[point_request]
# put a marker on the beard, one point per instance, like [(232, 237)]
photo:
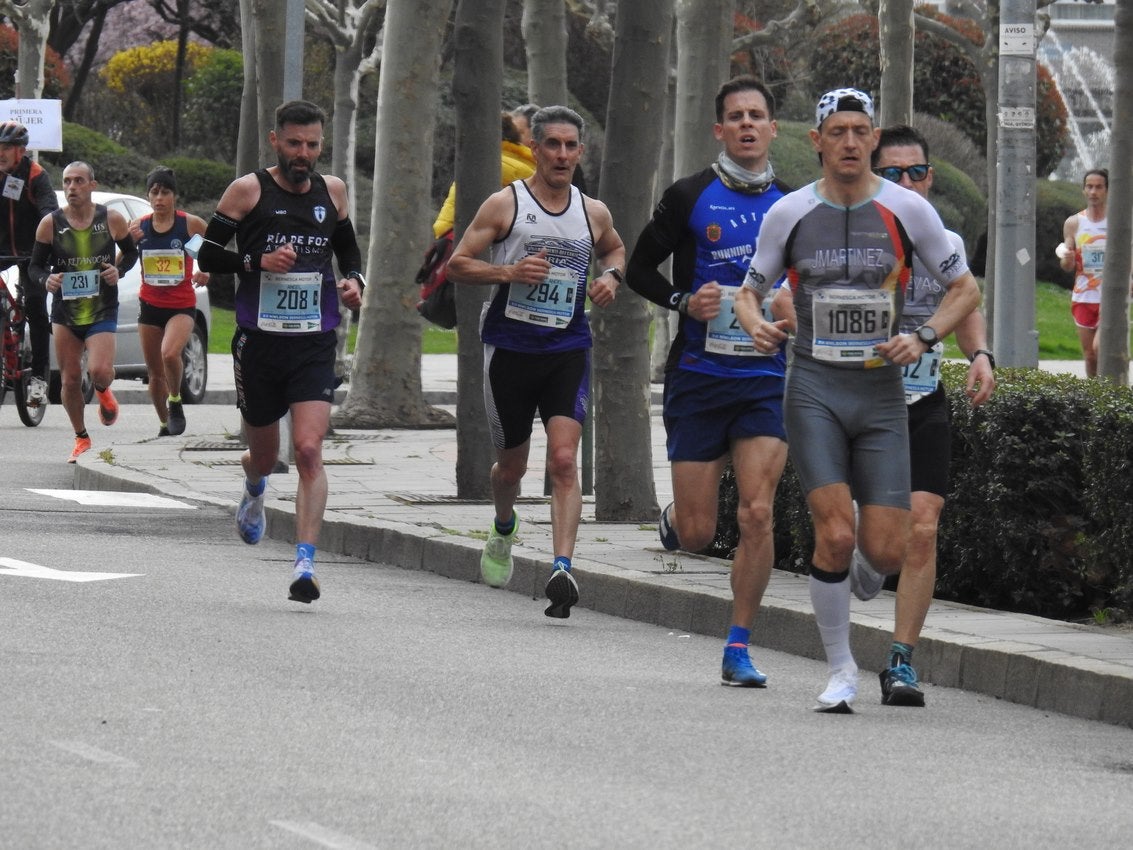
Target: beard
[(295, 171)]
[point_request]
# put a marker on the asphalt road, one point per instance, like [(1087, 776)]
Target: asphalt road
[(189, 704)]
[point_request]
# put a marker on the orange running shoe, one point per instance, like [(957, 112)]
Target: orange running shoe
[(82, 444), (107, 406)]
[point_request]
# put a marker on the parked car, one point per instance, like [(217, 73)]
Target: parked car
[(128, 360)]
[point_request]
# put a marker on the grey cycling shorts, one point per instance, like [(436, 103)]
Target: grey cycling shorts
[(849, 426)]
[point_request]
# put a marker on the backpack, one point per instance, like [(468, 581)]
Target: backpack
[(437, 297)]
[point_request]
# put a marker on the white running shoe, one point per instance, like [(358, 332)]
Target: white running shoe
[(840, 693), (865, 581)]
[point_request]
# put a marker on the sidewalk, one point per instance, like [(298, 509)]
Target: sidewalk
[(392, 499)]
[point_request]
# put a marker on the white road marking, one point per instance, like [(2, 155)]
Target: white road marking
[(321, 835), (91, 753), (23, 569), (116, 499)]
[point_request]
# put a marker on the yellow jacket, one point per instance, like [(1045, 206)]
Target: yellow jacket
[(516, 163)]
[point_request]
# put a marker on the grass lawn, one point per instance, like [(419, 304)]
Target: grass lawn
[(1057, 338)]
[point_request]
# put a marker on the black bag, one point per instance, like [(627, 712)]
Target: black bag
[(437, 298)]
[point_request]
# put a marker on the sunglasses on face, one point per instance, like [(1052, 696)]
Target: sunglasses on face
[(916, 173)]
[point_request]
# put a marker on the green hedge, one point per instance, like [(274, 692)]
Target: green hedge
[(1038, 515), (116, 168), (200, 179)]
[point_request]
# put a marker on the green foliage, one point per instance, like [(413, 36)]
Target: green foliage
[(144, 80), (55, 77), (959, 201), (212, 104), (1056, 201), (946, 83), (199, 179), (1037, 515), (793, 156), (1037, 496), (115, 168)]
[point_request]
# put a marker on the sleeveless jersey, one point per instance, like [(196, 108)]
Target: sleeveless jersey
[(167, 270), (549, 316), (77, 251), (305, 300), (849, 268), (1089, 261)]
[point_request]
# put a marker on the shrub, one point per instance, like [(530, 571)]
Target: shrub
[(945, 81), (1056, 201), (55, 78), (199, 180), (1037, 516), (115, 167), (212, 105)]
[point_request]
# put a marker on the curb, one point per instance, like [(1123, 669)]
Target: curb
[(1012, 670)]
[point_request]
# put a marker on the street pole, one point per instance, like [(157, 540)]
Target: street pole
[(1013, 322), (293, 51)]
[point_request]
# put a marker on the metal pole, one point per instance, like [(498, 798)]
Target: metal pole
[(293, 51), (1013, 322)]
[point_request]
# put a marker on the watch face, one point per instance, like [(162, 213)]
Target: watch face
[(927, 335)]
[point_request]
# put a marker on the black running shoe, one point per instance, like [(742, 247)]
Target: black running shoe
[(562, 590), (899, 686), (176, 424)]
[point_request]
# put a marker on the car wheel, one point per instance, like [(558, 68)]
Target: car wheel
[(196, 362)]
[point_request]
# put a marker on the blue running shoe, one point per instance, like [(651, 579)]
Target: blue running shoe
[(250, 520), (899, 686), (562, 591), (666, 531), (738, 670), (304, 586)]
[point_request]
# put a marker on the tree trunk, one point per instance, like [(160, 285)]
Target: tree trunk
[(623, 464), (1113, 353), (664, 319), (271, 36), (385, 384), (895, 19), (33, 19), (248, 138), (347, 82), (545, 35), (704, 38), (179, 71), (477, 89), (82, 72)]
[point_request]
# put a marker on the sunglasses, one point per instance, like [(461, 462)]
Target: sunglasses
[(916, 173)]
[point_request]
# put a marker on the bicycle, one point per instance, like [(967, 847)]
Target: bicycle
[(17, 371)]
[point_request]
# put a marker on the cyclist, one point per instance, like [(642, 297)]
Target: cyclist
[(25, 198)]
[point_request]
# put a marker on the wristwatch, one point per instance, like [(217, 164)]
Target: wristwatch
[(984, 351), (358, 277), (616, 272), (927, 335)]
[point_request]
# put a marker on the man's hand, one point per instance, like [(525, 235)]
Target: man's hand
[(603, 289), (279, 261), (902, 349), (981, 381), (109, 274), (350, 291), (704, 305), (531, 270)]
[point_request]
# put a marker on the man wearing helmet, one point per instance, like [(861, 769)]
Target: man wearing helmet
[(26, 196)]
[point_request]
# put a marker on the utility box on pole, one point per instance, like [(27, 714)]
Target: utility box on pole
[(1013, 322)]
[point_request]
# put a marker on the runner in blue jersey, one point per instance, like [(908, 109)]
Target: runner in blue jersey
[(846, 243), (723, 399), (540, 234)]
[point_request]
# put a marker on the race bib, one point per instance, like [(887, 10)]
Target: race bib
[(922, 377), (13, 187), (549, 304), (849, 324), (79, 285), (291, 302), (163, 268), (1093, 257), (723, 335)]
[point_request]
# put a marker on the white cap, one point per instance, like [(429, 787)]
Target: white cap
[(839, 100)]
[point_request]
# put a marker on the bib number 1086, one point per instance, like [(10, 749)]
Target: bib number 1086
[(856, 321)]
